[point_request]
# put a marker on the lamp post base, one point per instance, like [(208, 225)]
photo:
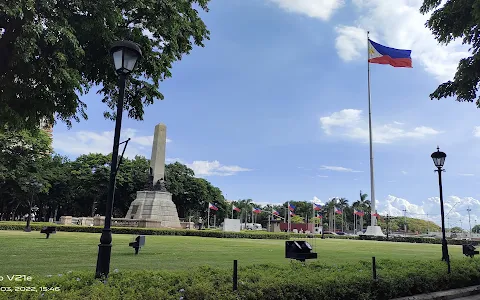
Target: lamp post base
[(103, 260)]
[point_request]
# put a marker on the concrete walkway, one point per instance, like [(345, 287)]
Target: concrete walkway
[(468, 293)]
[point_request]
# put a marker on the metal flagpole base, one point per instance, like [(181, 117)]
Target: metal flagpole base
[(374, 231)]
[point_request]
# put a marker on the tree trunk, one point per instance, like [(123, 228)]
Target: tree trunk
[(29, 216)]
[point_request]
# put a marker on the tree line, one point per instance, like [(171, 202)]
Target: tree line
[(32, 176)]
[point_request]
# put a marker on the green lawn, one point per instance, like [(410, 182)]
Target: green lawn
[(31, 253)]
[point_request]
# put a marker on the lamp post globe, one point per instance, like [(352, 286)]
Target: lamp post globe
[(439, 160), (125, 57)]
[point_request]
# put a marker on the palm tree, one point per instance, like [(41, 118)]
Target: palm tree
[(328, 207), (246, 206), (362, 204), (343, 203)]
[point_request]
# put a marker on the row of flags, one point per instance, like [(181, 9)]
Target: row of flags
[(291, 208)]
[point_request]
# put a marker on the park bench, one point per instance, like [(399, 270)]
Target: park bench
[(138, 243), (469, 250), (49, 230), (299, 250)]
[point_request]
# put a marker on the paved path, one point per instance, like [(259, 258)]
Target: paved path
[(474, 297), (468, 293)]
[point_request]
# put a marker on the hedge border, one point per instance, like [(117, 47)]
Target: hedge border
[(222, 234)]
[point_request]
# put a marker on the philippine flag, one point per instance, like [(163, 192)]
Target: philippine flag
[(317, 206), (338, 211), (256, 210), (291, 207), (292, 214), (275, 212), (359, 213), (211, 206), (379, 54), (236, 208), (319, 216)]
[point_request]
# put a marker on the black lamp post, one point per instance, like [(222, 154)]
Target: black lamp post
[(34, 187), (125, 55), (439, 159)]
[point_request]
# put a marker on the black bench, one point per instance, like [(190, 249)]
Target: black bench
[(299, 250), (138, 243), (469, 250), (49, 230)]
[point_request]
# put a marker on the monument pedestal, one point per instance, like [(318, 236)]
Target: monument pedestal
[(374, 230), (154, 206)]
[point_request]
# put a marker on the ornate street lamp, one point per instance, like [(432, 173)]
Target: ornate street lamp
[(34, 188), (439, 159), (125, 56)]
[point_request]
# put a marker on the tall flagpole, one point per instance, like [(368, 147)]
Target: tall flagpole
[(372, 183), (288, 216), (208, 216)]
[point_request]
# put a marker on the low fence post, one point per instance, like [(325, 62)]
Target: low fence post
[(374, 268), (235, 275)]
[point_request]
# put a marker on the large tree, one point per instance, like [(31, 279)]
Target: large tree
[(449, 21), (24, 159), (51, 52)]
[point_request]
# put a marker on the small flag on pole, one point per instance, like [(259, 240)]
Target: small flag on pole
[(211, 206), (379, 54), (319, 216), (235, 208), (360, 213), (275, 212), (338, 211), (291, 207), (256, 210), (317, 206), (292, 214)]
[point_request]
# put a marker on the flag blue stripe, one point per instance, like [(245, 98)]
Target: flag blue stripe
[(392, 52)]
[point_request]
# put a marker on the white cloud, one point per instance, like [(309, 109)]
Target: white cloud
[(398, 26), (349, 42), (476, 131), (317, 200), (84, 142), (456, 213), (339, 169), (466, 174), (322, 176), (351, 124), (398, 123), (320, 9), (203, 168), (404, 172)]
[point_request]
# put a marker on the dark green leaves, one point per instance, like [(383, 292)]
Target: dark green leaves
[(457, 19), (53, 51)]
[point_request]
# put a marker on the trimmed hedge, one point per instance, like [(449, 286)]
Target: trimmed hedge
[(411, 240), (269, 282), (222, 234), (157, 231)]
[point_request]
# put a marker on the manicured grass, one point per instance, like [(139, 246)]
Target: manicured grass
[(31, 253)]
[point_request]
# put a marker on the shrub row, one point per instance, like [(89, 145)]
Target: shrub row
[(269, 282), (411, 240), (158, 231), (221, 234)]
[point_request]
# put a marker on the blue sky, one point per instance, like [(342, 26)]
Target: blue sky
[(274, 108)]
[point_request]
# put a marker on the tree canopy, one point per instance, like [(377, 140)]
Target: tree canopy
[(51, 52), (449, 21)]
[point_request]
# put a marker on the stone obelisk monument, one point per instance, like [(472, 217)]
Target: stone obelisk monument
[(155, 203)]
